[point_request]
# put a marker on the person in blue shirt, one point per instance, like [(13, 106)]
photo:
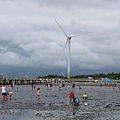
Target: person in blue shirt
[(75, 101)]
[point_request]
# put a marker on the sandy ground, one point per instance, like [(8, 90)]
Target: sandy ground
[(103, 104)]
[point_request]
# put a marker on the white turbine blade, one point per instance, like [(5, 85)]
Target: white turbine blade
[(80, 34), (63, 49), (61, 28)]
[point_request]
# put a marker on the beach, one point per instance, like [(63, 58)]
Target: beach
[(103, 103)]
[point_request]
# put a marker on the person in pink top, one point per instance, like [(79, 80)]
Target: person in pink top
[(38, 93)]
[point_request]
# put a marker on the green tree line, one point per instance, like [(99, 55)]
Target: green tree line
[(112, 75)]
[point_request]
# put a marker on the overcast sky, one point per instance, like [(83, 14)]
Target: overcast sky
[(31, 42)]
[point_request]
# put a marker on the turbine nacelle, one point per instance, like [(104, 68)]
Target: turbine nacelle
[(69, 38)]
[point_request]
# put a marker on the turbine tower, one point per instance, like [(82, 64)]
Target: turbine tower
[(69, 47)]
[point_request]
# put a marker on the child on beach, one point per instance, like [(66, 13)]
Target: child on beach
[(38, 93), (34, 85), (17, 86), (85, 97), (71, 96), (12, 87), (10, 95), (75, 101)]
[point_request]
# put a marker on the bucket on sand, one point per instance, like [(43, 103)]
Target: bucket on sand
[(85, 103)]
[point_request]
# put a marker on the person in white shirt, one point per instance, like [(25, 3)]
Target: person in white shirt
[(4, 92)]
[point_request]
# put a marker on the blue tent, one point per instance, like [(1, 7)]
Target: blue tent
[(108, 80)]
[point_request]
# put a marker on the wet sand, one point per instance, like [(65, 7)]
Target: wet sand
[(103, 104)]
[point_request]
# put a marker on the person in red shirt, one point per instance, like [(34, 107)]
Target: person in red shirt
[(71, 96)]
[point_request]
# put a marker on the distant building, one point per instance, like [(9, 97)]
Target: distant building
[(1, 77)]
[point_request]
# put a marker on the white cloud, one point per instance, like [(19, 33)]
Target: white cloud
[(31, 27)]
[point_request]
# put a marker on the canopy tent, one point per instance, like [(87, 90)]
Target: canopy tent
[(108, 80)]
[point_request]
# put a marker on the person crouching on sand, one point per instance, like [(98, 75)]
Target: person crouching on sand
[(85, 97), (10, 95), (75, 101)]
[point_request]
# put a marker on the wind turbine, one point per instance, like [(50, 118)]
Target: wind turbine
[(62, 74), (69, 46), (26, 76)]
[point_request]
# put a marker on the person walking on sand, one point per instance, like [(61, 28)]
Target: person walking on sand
[(32, 86), (38, 93), (4, 92), (71, 96), (12, 87)]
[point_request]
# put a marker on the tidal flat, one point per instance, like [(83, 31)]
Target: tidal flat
[(53, 104)]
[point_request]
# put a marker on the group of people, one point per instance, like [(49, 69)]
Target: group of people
[(5, 92), (49, 86), (75, 101), (33, 85), (61, 85)]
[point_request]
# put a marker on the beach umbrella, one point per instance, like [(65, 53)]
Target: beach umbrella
[(108, 80)]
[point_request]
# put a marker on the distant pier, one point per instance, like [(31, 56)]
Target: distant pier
[(27, 81)]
